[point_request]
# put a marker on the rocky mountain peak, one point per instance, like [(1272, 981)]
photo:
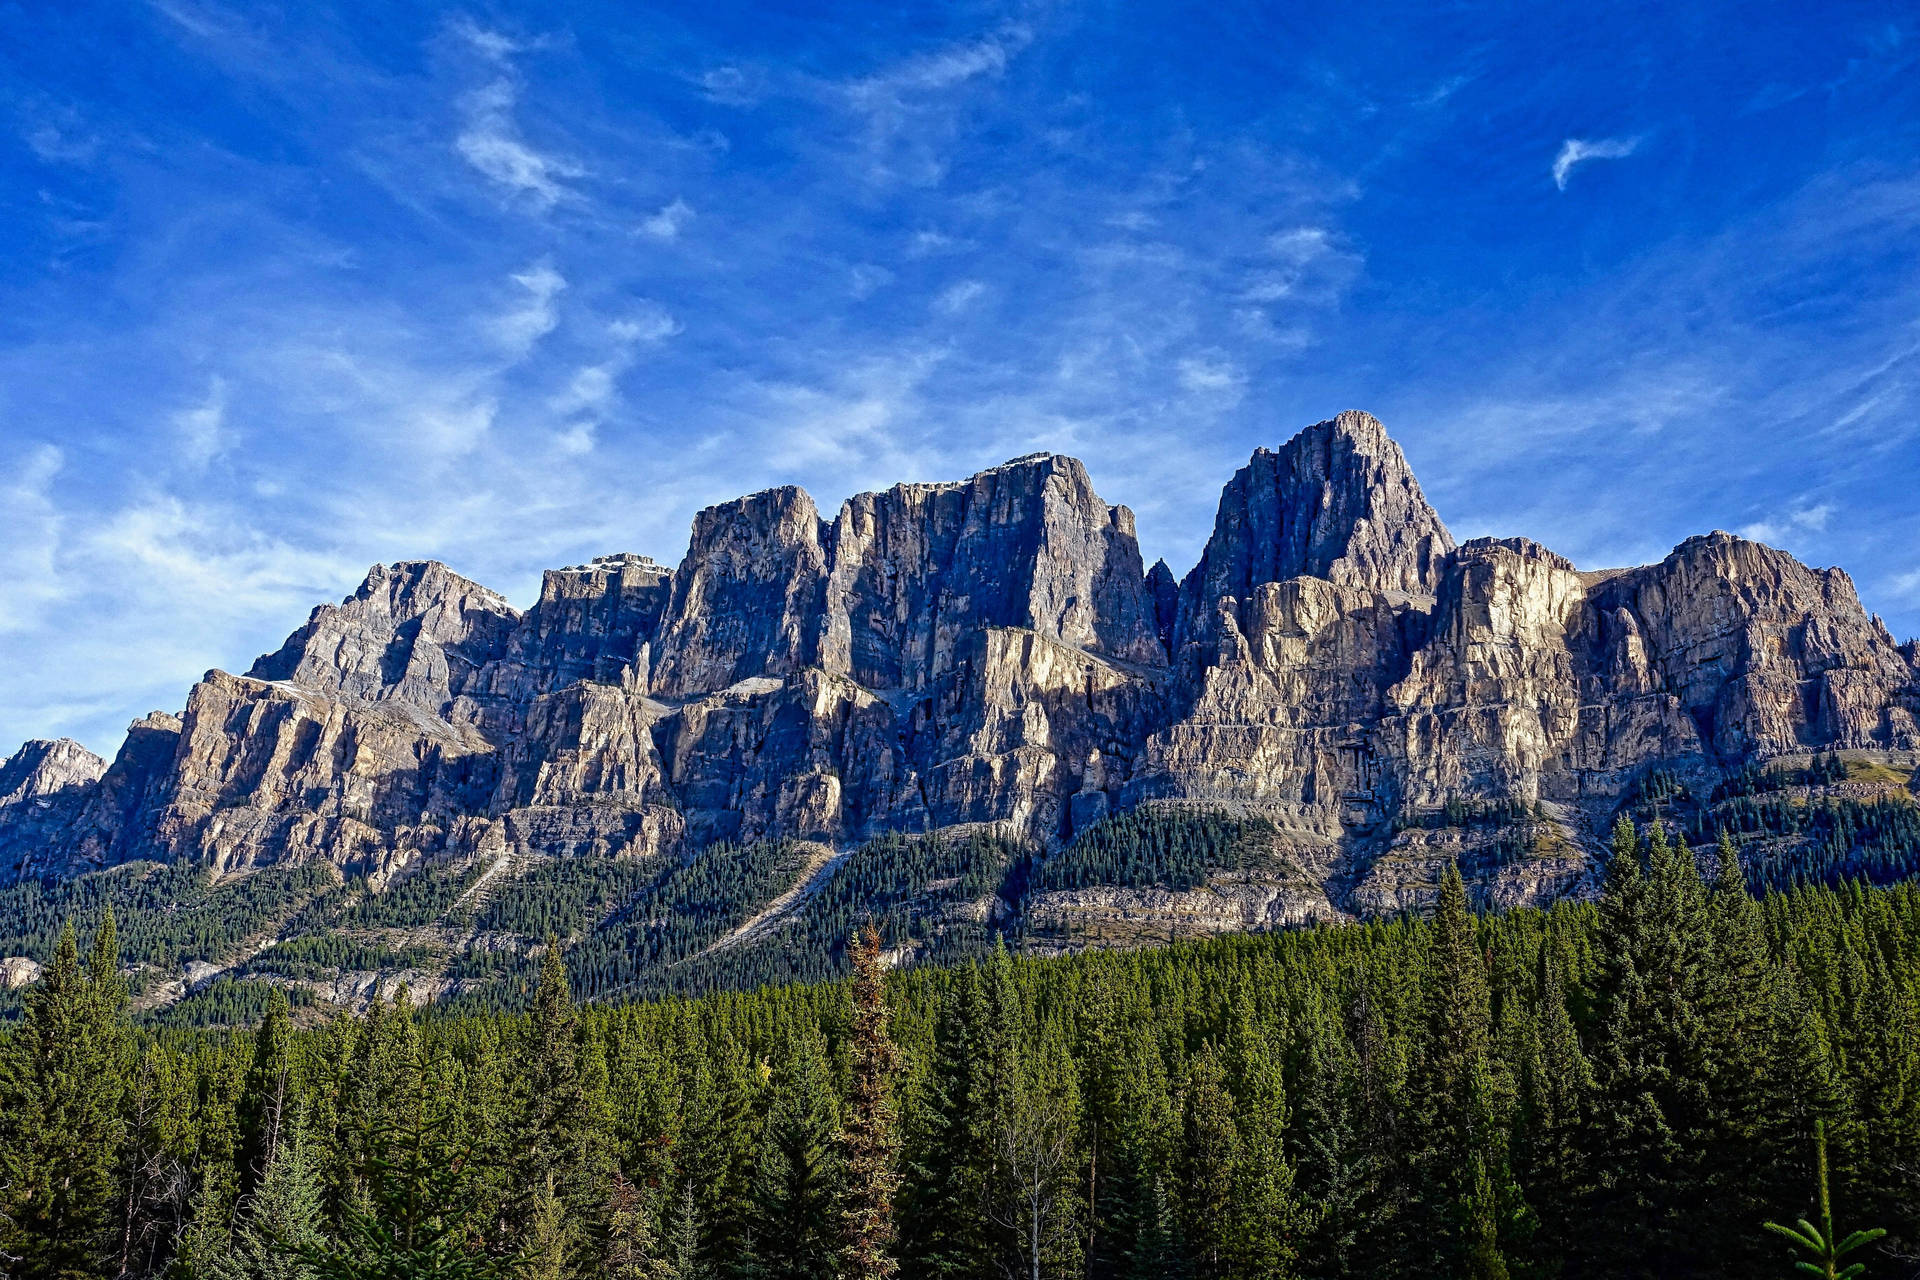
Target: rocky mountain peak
[(414, 631), (745, 599), (1337, 501), (46, 766)]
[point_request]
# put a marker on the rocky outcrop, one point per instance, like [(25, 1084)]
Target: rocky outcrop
[(18, 971), (594, 622), (1765, 654), (920, 569), (746, 601), (43, 788), (268, 771), (991, 652), (415, 632), (1337, 502)]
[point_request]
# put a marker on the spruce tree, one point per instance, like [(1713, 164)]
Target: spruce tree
[(551, 1102), (872, 1138), (1266, 1215), (1209, 1156), (1823, 1240), (61, 1127), (1653, 1120), (633, 1249), (279, 1229), (797, 1181), (940, 1205), (1465, 1152)]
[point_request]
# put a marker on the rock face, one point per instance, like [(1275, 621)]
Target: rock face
[(992, 652)]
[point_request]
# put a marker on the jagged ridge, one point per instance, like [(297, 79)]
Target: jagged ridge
[(991, 651)]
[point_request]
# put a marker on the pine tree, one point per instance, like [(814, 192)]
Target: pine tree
[(1209, 1155), (940, 1206), (1653, 1120), (1466, 1151), (266, 1094), (1556, 1097), (683, 1239), (1266, 1215), (872, 1135), (415, 1218), (797, 1181), (61, 1128), (551, 1098), (552, 1237), (279, 1228)]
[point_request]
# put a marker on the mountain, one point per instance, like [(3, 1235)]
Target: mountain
[(1333, 705)]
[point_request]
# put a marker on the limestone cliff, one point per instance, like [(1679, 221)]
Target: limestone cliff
[(992, 652)]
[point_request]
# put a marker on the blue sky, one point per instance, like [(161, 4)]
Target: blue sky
[(289, 289)]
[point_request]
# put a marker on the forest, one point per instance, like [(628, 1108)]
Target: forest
[(1627, 1086)]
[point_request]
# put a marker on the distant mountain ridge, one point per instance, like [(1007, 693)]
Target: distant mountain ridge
[(992, 655)]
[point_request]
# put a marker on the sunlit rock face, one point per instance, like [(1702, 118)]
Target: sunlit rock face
[(992, 651)]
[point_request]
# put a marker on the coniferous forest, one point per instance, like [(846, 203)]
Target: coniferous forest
[(1628, 1086)]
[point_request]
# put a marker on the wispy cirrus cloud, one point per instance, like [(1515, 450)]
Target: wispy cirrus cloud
[(536, 314), (490, 138), (204, 433), (1575, 152)]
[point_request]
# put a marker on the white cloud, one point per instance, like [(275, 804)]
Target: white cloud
[(538, 313), (1212, 375), (590, 390), (493, 45), (201, 562), (1577, 151), (929, 243), (944, 69), (452, 431), (648, 322), (733, 86), (911, 109), (490, 141), (957, 297), (1906, 586), (577, 440), (669, 221), (1300, 245), (203, 428), (1787, 524), (28, 552)]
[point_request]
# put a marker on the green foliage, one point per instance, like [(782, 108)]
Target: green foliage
[(278, 1230), (1459, 812), (229, 1002), (63, 1084), (316, 955), (566, 897), (1822, 840), (1824, 1242), (166, 914), (425, 895), (1156, 846)]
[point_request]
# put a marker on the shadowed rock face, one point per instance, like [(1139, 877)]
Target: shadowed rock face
[(991, 651)]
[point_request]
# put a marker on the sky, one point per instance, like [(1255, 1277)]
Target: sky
[(290, 289)]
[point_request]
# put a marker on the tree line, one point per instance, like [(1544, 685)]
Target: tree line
[(1623, 1087)]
